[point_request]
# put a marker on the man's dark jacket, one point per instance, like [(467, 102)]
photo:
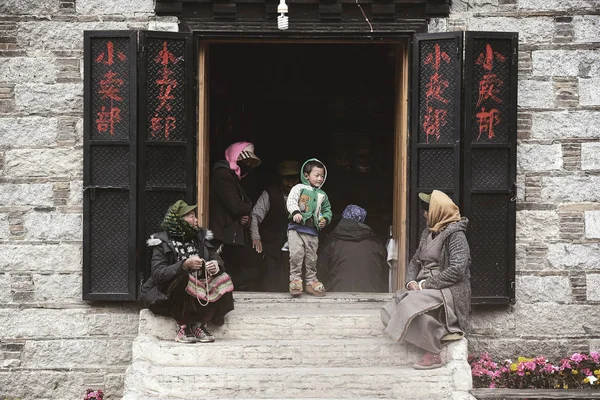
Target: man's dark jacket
[(353, 260)]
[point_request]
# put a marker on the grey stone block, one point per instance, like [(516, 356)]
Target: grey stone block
[(51, 98), (67, 384), (589, 95), (556, 5), (27, 163), (592, 224), (562, 189), (533, 157), (28, 131), (44, 36), (53, 226), (536, 94), (50, 258), (4, 227), (26, 194), (131, 7), (567, 256), (31, 70), (74, 353), (587, 28), (531, 30), (39, 323), (39, 7), (583, 63), (565, 124), (536, 289), (593, 287), (537, 225), (62, 288)]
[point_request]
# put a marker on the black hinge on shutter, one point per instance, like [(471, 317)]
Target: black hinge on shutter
[(436, 121), (167, 144), (490, 150), (109, 175)]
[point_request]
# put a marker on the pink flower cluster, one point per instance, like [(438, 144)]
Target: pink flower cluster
[(93, 394), (577, 371)]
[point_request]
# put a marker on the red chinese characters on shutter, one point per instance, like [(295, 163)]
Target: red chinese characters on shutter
[(435, 100), (109, 90), (163, 121), (490, 86)]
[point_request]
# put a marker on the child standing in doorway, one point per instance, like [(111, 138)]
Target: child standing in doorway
[(310, 212)]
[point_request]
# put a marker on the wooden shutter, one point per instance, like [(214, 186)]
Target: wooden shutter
[(436, 121), (167, 145), (490, 144), (109, 179)]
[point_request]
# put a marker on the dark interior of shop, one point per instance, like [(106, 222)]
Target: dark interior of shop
[(334, 102)]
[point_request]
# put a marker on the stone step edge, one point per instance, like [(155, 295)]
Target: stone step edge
[(331, 297), (425, 375), (380, 340), (317, 312)]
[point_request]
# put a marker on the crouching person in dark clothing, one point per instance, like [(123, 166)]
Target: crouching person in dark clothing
[(352, 259), (180, 253)]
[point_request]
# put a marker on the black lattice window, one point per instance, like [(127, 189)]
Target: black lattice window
[(109, 223), (109, 165), (488, 226), (490, 168), (436, 167), (490, 93), (489, 173), (166, 166), (438, 89), (110, 88), (165, 77)]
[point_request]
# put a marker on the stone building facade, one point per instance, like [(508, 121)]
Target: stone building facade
[(51, 341)]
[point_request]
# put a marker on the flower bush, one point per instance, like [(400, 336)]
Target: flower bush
[(93, 395), (575, 372)]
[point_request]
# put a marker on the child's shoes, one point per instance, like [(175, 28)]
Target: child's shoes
[(315, 288), (296, 287)]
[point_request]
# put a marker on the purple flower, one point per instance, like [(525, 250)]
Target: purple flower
[(578, 357)]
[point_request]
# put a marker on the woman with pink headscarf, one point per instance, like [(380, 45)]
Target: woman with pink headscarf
[(230, 209)]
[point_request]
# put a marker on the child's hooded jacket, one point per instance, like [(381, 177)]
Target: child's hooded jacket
[(311, 202)]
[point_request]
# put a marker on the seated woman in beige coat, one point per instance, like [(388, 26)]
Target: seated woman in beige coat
[(434, 308)]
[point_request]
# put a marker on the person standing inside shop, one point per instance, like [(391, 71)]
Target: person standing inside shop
[(310, 212), (268, 227), (230, 209)]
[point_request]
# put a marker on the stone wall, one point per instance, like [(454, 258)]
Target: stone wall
[(53, 345), (558, 208)]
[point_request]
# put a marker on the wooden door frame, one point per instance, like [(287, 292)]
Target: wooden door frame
[(401, 124)]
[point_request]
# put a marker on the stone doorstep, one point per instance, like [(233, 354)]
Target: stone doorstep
[(297, 382), (285, 353), (291, 324)]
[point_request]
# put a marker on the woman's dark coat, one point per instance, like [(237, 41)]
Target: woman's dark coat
[(165, 268), (455, 264), (353, 260), (228, 203)]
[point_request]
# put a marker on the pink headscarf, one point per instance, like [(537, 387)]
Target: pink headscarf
[(233, 152)]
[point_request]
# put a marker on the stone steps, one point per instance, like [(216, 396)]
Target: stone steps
[(293, 382), (314, 323), (276, 347), (275, 353)]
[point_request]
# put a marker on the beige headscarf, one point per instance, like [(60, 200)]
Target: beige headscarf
[(442, 211)]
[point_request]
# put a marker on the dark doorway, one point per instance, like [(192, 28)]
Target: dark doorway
[(334, 102)]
